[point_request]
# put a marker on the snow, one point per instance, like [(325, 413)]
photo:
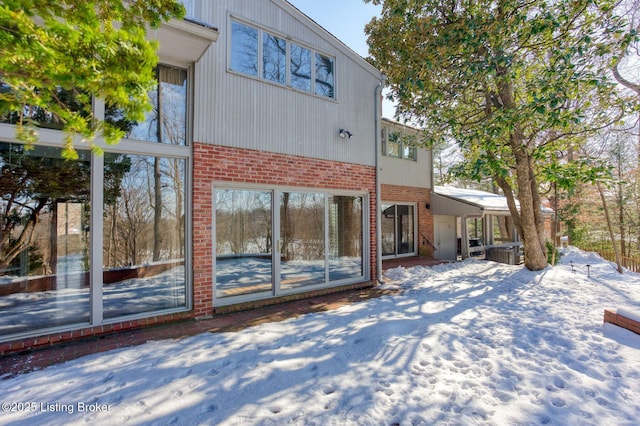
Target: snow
[(486, 200), (473, 343), (479, 198)]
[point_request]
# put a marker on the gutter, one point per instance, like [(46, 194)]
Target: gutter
[(378, 112)]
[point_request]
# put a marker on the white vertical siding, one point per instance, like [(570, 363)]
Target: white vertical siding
[(405, 172), (245, 112)]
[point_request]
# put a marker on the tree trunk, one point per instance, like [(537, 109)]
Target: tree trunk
[(610, 226), (528, 220)]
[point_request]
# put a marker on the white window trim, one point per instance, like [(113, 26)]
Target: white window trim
[(262, 30), (275, 290), (55, 138)]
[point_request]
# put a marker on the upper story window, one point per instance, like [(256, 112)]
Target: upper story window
[(258, 53), (399, 145), (166, 122)]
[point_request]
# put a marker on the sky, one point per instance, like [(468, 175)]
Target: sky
[(465, 343), (345, 19)]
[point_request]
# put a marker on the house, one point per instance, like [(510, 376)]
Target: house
[(252, 181), (406, 175)]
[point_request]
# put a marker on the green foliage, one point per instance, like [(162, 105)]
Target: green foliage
[(515, 84), (550, 251), (485, 72), (55, 54)]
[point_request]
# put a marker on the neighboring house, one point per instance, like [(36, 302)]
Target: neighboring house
[(252, 180), (406, 175)]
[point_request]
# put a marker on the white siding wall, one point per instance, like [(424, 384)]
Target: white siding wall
[(245, 112), (396, 171), (404, 172)]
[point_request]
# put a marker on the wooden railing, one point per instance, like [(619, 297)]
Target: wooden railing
[(631, 263)]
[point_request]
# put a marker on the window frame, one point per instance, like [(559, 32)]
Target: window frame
[(313, 55), (56, 139), (407, 150), (276, 288)]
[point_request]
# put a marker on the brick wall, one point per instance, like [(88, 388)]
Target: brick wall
[(213, 163), (420, 196)]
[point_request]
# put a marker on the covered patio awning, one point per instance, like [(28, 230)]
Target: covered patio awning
[(451, 201)]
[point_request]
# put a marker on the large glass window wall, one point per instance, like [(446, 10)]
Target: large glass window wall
[(319, 242), (98, 239)]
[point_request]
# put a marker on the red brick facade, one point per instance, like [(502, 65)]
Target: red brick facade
[(213, 163), (218, 164), (422, 197)]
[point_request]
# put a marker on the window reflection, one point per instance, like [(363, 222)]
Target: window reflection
[(301, 239), (300, 66), (394, 145), (243, 242), (246, 57), (166, 122), (244, 48), (388, 226), (274, 59), (324, 75), (72, 99), (44, 239), (143, 252), (398, 229), (345, 237)]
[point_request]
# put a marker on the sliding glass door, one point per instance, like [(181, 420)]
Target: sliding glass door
[(398, 224), (319, 242)]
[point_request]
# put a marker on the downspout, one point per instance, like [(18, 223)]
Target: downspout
[(378, 112)]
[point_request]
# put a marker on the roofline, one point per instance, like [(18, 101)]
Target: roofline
[(321, 31), (397, 123), (458, 200)]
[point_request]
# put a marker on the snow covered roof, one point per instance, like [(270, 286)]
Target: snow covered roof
[(448, 200)]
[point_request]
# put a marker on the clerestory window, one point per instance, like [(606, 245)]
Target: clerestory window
[(259, 53)]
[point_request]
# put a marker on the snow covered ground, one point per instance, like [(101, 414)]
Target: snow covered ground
[(467, 343)]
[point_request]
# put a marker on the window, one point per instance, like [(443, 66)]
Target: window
[(399, 145), (143, 234), (319, 241), (324, 75), (345, 237), (305, 69), (301, 239), (274, 59), (244, 49), (398, 229), (85, 242), (166, 122), (243, 242), (300, 68), (44, 249), (73, 100), (394, 145)]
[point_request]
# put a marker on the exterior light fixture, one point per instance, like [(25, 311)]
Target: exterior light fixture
[(345, 134)]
